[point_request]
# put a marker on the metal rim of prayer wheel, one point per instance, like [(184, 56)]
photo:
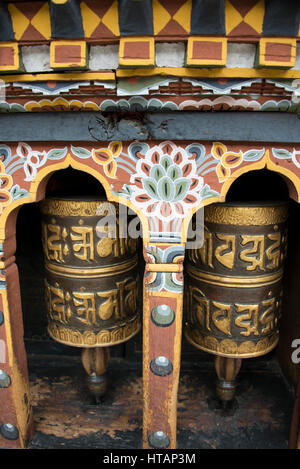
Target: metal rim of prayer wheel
[(234, 281), (92, 282)]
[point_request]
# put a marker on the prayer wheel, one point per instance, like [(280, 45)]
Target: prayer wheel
[(91, 280), (234, 285)]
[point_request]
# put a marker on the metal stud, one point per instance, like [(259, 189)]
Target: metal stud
[(162, 315), (5, 380), (9, 431), (161, 366), (159, 440)]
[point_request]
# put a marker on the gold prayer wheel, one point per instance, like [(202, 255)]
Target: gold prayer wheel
[(91, 280), (234, 285)]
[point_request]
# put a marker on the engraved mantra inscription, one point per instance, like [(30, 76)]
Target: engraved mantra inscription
[(88, 307), (257, 252), (83, 242), (233, 319)]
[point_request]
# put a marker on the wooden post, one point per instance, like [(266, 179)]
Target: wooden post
[(227, 369), (162, 327), (16, 424), (95, 362)]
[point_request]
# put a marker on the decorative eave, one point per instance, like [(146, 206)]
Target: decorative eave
[(149, 50)]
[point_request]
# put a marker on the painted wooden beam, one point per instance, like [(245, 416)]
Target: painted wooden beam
[(66, 20), (281, 18), (6, 29), (208, 17), (93, 126), (135, 18)]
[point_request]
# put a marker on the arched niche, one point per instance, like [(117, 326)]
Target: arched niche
[(68, 182), (267, 185), (23, 256), (260, 185)]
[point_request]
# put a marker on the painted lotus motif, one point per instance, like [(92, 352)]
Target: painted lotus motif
[(166, 184)]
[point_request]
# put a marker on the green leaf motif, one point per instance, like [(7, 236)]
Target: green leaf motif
[(281, 153), (166, 189), (207, 192), (150, 187), (18, 193), (57, 153), (166, 162), (182, 185), (126, 192), (157, 172), (174, 172), (82, 153), (169, 284), (253, 155)]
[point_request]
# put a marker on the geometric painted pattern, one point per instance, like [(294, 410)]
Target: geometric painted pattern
[(172, 18), (35, 22), (277, 52), (100, 18), (31, 21), (206, 51), (244, 18)]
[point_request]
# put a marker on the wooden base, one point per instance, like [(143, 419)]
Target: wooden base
[(65, 417)]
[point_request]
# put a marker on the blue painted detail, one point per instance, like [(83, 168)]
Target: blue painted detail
[(135, 18), (9, 431), (281, 18), (6, 29), (66, 20), (208, 17), (5, 379)]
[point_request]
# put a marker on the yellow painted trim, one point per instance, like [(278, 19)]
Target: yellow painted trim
[(289, 174), (224, 189), (41, 21), (20, 22), (276, 63), (138, 62), (244, 169), (159, 71), (164, 267), (70, 161), (163, 294), (15, 48), (83, 54), (111, 18), (66, 76), (197, 62), (209, 72), (189, 215), (265, 162)]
